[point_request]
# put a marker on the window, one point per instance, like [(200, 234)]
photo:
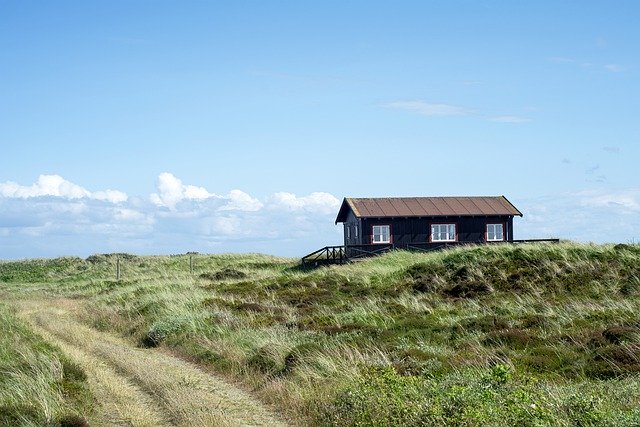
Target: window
[(495, 232), (348, 232), (443, 233), (355, 229), (381, 234)]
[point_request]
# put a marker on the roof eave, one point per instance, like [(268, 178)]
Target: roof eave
[(344, 210), (514, 208)]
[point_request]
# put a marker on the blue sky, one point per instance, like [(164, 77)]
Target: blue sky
[(238, 126)]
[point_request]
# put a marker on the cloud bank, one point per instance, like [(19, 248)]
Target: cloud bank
[(594, 215), (55, 217), (56, 186)]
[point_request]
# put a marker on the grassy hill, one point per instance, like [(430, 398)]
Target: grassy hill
[(488, 335)]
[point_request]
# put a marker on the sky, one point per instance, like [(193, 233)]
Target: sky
[(159, 127)]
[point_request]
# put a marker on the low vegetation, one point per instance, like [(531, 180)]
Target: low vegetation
[(488, 335), (39, 386)]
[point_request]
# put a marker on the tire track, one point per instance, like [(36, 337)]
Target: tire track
[(142, 387)]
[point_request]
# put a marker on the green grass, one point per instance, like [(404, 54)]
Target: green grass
[(38, 385), (491, 335)]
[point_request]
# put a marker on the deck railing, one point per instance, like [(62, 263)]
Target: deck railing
[(342, 254)]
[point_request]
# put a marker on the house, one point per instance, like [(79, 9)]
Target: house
[(426, 222)]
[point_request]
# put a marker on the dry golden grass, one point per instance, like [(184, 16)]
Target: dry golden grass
[(143, 387)]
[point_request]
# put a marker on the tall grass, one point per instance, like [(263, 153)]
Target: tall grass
[(488, 335), (38, 385)]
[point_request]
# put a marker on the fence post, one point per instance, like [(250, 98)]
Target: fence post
[(191, 263), (118, 268)]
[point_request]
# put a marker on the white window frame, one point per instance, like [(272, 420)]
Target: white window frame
[(494, 226), (438, 229), (381, 234)]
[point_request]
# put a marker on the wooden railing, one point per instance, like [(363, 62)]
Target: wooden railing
[(326, 255), (342, 254)]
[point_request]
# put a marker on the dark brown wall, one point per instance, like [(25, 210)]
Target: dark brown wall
[(406, 231), (352, 223)]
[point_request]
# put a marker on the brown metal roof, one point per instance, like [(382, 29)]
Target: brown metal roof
[(381, 207)]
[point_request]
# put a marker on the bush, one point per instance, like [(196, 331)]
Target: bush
[(267, 359), (585, 410), (492, 397), (380, 397), (160, 331)]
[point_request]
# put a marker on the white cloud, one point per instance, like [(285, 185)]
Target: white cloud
[(238, 200), (176, 218), (112, 196), (429, 109), (172, 191), (131, 215), (625, 201), (56, 186), (225, 225), (509, 119), (594, 215), (319, 202)]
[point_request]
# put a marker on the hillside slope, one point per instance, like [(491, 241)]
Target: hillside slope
[(488, 335), (135, 387)]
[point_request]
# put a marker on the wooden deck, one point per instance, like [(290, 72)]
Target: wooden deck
[(343, 254)]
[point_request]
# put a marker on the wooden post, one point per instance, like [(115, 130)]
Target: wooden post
[(190, 263), (118, 268)]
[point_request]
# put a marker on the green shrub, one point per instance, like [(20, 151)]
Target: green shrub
[(267, 359), (383, 397), (160, 331)]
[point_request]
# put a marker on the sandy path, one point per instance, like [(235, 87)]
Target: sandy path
[(142, 387)]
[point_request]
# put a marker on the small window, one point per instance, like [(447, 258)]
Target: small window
[(355, 229), (381, 234), (495, 232), (348, 232), (443, 233)]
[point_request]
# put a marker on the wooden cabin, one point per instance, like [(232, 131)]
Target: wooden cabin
[(426, 222)]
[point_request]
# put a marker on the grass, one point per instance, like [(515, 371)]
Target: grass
[(142, 388), (39, 386), (490, 335)]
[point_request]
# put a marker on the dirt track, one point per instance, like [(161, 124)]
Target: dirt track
[(142, 387)]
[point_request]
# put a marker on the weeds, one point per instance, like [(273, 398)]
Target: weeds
[(38, 385), (488, 335)]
